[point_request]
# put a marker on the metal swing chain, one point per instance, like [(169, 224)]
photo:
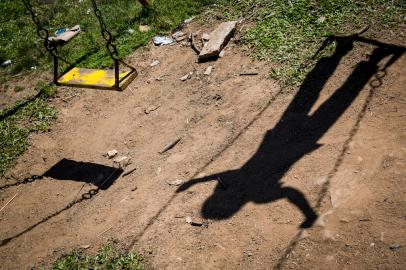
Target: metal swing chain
[(41, 31), (107, 36)]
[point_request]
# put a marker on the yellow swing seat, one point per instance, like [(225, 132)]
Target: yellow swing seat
[(95, 78)]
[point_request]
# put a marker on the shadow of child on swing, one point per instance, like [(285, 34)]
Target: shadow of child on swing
[(294, 136)]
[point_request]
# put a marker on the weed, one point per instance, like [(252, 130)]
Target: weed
[(47, 89), (18, 88), (35, 116), (287, 33), (25, 48), (108, 257)]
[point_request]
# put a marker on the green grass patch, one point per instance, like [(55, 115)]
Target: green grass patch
[(287, 33), (35, 116), (19, 41), (108, 257)]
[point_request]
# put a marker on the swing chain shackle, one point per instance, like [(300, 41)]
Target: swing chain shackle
[(107, 36)]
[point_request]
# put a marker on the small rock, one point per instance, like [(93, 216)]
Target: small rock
[(372, 245), (85, 246), (155, 63), (221, 54), (394, 246), (130, 31), (178, 34), (249, 253), (122, 161), (179, 39), (208, 70), (206, 37), (186, 77), (176, 182), (111, 153), (134, 188), (144, 28), (192, 222), (322, 19)]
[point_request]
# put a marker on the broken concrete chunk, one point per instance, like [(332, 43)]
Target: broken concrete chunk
[(155, 63), (111, 153), (218, 40), (208, 70)]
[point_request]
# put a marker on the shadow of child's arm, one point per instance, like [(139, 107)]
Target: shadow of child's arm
[(195, 181)]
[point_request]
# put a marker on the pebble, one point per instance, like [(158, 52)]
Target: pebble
[(144, 28), (192, 222), (394, 246), (208, 70), (221, 54), (155, 63), (178, 35), (111, 153), (176, 182), (122, 161), (186, 77)]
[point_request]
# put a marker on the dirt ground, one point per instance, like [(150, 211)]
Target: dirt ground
[(307, 179)]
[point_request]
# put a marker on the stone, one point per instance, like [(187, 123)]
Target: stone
[(197, 223), (221, 54), (144, 28), (394, 246), (322, 19), (186, 77), (176, 182), (154, 63), (122, 161), (178, 34), (111, 153), (218, 40), (208, 70)]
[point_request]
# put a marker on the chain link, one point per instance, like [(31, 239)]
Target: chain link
[(107, 36), (41, 31)]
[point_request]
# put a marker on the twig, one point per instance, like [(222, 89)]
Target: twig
[(129, 171), (109, 228), (170, 145), (9, 202), (248, 73)]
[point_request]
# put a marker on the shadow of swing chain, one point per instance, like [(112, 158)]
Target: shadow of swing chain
[(85, 196), (25, 181)]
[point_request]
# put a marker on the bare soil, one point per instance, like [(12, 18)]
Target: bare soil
[(307, 179)]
